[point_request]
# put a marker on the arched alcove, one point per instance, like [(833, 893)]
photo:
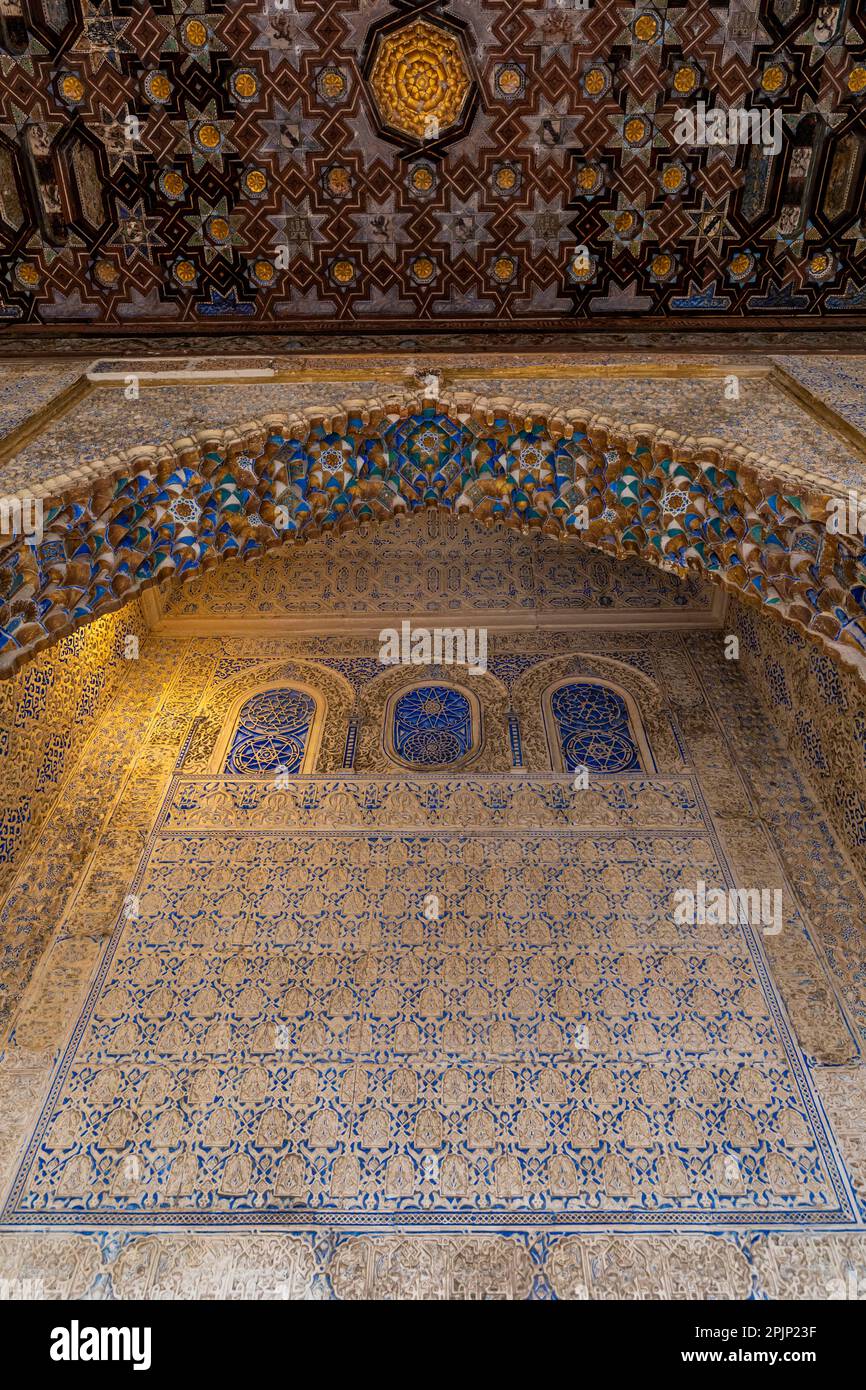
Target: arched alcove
[(433, 725)]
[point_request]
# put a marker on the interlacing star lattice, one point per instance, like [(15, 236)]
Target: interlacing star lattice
[(428, 442), (103, 37)]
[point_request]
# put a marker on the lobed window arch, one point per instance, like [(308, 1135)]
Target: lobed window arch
[(272, 733), (592, 724)]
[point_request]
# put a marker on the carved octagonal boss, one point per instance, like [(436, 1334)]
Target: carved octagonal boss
[(420, 81)]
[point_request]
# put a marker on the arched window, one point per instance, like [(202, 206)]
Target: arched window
[(272, 732), (593, 728), (432, 726)]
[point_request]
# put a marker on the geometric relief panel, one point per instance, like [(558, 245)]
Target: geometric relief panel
[(397, 181), (283, 1033), (434, 561)]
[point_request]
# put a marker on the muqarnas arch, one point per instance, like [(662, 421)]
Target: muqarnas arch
[(752, 526)]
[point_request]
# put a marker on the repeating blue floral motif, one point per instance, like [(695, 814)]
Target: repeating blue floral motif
[(432, 726), (272, 732), (594, 732)]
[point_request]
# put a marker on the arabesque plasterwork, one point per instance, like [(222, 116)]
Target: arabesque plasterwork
[(267, 1265), (335, 690), (279, 1019), (661, 671), (821, 709), (397, 839), (69, 686), (490, 755), (528, 699)]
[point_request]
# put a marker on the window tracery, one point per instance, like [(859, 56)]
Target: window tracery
[(432, 726), (272, 732), (593, 728)]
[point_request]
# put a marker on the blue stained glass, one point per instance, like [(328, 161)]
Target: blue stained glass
[(432, 726), (594, 732), (272, 732)]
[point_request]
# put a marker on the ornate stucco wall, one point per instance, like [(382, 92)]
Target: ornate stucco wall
[(725, 787), (436, 563), (48, 712), (126, 846), (820, 710)]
